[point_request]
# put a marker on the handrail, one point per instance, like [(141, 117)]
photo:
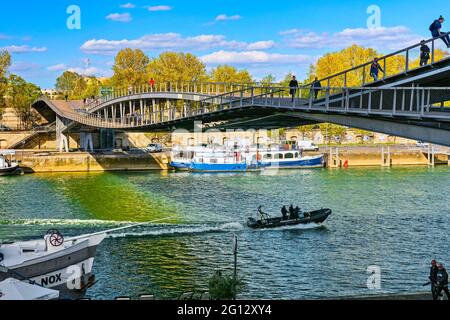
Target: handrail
[(383, 58)]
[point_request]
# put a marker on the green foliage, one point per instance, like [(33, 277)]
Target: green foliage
[(176, 66), (5, 62), (224, 287), (130, 68), (229, 74), (306, 129), (20, 96), (268, 80), (332, 131), (76, 86)]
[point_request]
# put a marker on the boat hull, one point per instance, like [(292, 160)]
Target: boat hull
[(318, 217), (13, 170), (225, 167), (179, 166), (305, 163)]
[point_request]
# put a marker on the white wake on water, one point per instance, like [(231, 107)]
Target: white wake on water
[(179, 230)]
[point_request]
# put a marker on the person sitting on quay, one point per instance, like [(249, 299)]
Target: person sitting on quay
[(374, 69), (436, 32), (316, 86), (293, 87), (424, 54)]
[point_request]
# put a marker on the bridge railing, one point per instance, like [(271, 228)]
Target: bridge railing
[(393, 64), (417, 101), (203, 88)]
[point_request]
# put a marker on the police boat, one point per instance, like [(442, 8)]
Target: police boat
[(265, 221)]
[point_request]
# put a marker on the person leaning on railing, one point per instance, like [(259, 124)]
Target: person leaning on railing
[(436, 32)]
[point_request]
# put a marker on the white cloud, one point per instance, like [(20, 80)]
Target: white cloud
[(224, 17), (254, 57), (23, 49), (119, 17), (24, 67), (128, 5), (171, 41), (57, 67), (290, 31), (159, 8), (91, 71), (391, 38)]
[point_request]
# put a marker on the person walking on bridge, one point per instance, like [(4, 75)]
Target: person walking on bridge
[(293, 87), (374, 69), (436, 32), (316, 86), (424, 53)]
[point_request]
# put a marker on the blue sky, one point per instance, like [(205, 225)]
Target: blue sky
[(262, 36)]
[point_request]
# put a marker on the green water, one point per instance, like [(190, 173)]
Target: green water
[(393, 218)]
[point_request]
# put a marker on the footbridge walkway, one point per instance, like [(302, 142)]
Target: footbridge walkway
[(409, 100)]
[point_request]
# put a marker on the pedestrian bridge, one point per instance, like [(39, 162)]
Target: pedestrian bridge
[(398, 104)]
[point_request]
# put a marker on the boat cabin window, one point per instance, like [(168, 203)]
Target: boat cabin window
[(279, 156), (267, 156), (289, 156), (297, 155)]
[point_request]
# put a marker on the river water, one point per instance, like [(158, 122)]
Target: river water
[(396, 219)]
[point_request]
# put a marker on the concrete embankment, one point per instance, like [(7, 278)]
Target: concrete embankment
[(87, 162), (42, 161), (385, 156)]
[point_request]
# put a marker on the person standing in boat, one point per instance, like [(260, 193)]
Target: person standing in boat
[(291, 212), (284, 213), (297, 212)]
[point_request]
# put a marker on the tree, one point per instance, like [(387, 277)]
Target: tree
[(130, 68), (268, 80), (335, 62), (229, 74), (72, 84), (5, 62), (175, 66), (21, 94), (306, 129), (92, 87), (334, 131)]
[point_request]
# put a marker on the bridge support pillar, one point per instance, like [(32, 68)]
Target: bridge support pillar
[(333, 160), (62, 141), (431, 154), (386, 160), (86, 143)]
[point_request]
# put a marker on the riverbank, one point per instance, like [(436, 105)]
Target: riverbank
[(337, 157), (41, 162)]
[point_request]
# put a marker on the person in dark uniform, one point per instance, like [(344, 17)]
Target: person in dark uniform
[(293, 87), (433, 279), (424, 54), (284, 213), (436, 32), (442, 281), (297, 212), (291, 212)]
